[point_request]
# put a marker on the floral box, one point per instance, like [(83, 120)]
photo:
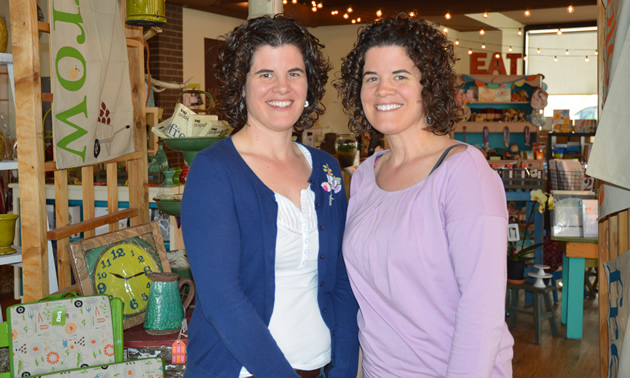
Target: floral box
[(498, 94)]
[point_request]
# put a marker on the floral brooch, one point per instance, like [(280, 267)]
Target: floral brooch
[(332, 185)]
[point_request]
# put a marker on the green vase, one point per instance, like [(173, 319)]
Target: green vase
[(7, 233)]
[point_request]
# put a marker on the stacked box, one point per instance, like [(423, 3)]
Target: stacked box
[(561, 122)]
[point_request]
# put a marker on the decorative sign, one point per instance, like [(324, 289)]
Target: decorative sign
[(92, 111), (477, 62)]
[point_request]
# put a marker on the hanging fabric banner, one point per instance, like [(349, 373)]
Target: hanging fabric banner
[(92, 108), (610, 154)]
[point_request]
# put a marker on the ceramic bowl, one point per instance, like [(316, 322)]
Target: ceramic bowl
[(189, 146)]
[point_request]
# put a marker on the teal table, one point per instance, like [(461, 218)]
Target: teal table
[(577, 250)]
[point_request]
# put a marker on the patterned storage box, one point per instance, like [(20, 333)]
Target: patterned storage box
[(64, 334), (145, 368)]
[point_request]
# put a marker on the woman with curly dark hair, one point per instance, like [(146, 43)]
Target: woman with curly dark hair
[(426, 229), (263, 219)]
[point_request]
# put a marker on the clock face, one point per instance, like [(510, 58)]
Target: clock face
[(121, 272)]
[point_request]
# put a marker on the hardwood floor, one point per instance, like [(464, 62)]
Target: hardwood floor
[(557, 356)]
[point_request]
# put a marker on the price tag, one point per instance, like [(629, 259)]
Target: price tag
[(178, 352)]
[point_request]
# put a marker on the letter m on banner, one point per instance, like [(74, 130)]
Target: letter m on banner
[(92, 109)]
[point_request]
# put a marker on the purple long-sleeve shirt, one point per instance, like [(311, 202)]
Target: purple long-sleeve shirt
[(428, 267)]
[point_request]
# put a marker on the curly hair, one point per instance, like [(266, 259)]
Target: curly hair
[(432, 53), (235, 59)]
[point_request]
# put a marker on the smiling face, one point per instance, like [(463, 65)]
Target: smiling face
[(275, 88), (391, 93)]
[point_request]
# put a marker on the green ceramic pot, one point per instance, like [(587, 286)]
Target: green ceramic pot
[(189, 146), (165, 312), (7, 233)]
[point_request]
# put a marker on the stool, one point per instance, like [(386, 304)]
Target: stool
[(539, 294)]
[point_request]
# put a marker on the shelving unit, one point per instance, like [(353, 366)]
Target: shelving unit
[(474, 129)]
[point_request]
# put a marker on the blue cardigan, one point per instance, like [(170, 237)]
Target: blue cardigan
[(229, 228)]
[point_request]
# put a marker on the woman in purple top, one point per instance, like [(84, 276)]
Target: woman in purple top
[(426, 230)]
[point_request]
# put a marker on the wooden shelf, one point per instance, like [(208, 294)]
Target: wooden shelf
[(8, 165), (494, 127), (14, 258)]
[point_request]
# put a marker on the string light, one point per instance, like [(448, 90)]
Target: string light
[(510, 49), (527, 13), (349, 9), (469, 51), (445, 30), (525, 58), (447, 15), (320, 5), (379, 13), (314, 9), (284, 2), (412, 14), (345, 16), (358, 19), (294, 1), (586, 59), (566, 52), (519, 32), (596, 53), (335, 12), (354, 21), (559, 31), (482, 32), (537, 51), (497, 55), (555, 59), (570, 8), (457, 42), (483, 46), (485, 14)]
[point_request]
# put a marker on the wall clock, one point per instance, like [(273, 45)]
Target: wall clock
[(117, 264)]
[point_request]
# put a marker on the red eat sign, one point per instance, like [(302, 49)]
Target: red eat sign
[(477, 62)]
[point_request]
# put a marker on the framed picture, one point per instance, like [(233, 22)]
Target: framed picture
[(117, 264), (513, 232)]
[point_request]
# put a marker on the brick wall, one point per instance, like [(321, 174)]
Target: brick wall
[(166, 64)]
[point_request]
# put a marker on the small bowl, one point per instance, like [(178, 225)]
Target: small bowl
[(169, 206), (189, 146)]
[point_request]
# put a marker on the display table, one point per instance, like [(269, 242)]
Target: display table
[(577, 249)]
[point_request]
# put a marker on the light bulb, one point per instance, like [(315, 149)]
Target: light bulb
[(510, 49), (469, 51), (537, 51), (314, 9), (284, 2), (555, 59), (349, 10), (483, 46), (497, 55), (294, 1), (586, 59), (485, 14), (412, 14), (527, 13), (525, 58), (320, 5), (566, 52), (519, 32), (345, 15), (482, 32), (445, 30), (447, 15), (570, 8), (457, 42), (379, 13), (559, 31), (358, 19), (596, 53), (354, 21)]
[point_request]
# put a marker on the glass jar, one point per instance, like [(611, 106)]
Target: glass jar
[(346, 149)]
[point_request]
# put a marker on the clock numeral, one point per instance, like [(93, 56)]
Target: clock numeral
[(147, 270), (112, 297), (145, 297), (118, 253), (132, 254), (141, 258), (102, 288), (102, 275), (108, 263), (133, 304)]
